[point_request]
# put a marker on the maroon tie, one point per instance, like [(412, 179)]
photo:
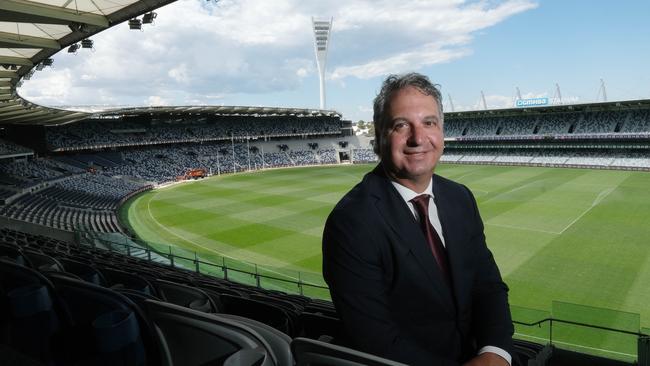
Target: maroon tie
[(421, 204)]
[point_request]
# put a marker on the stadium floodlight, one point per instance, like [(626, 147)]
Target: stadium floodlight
[(149, 17), (73, 48), (483, 100), (602, 92), (557, 97), (322, 30), (87, 43), (13, 67), (135, 23)]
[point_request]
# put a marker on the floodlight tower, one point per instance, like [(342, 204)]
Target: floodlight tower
[(322, 29), (602, 91)]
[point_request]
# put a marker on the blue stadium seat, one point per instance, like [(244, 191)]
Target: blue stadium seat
[(106, 328), (31, 319)]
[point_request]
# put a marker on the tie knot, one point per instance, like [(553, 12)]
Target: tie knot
[(421, 203)]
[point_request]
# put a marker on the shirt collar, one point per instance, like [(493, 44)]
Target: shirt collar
[(408, 194)]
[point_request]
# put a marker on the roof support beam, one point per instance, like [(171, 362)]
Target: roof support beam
[(27, 115), (15, 61), (8, 74), (39, 13), (15, 112), (12, 40), (4, 105), (45, 117), (65, 118), (10, 108)]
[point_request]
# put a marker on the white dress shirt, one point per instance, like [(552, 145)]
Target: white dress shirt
[(407, 195)]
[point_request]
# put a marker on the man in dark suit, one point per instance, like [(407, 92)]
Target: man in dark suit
[(411, 276)]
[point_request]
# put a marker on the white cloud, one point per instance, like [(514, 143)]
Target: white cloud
[(156, 100), (53, 89), (198, 50), (180, 74), (429, 32), (410, 60), (302, 72)]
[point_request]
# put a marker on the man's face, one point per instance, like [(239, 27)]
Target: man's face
[(414, 138)]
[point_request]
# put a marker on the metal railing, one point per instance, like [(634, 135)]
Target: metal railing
[(627, 342), (303, 283)]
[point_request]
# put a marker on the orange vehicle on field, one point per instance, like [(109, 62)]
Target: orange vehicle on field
[(196, 173)]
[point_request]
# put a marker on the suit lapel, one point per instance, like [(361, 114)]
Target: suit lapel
[(399, 218)]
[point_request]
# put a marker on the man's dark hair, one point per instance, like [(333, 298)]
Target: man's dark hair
[(391, 85)]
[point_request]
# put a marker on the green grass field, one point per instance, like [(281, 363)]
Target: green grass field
[(575, 236)]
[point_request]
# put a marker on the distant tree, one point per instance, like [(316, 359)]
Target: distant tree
[(371, 128), (361, 124)]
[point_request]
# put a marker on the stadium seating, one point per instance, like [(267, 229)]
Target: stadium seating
[(117, 319), (94, 134), (8, 148)]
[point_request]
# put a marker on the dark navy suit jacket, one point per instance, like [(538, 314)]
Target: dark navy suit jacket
[(386, 286)]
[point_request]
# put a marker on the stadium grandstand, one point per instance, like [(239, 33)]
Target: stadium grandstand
[(614, 135), (78, 287)]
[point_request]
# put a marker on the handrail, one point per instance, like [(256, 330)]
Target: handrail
[(551, 320), (223, 267)]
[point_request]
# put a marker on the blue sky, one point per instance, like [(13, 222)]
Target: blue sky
[(260, 52)]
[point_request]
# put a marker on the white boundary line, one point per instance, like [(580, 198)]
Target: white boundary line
[(514, 190), (212, 250), (601, 196), (523, 228)]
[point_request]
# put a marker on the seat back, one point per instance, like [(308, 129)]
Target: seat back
[(43, 262), (309, 352), (85, 271), (106, 327), (128, 280), (266, 313), (317, 325), (184, 295), (14, 254), (30, 315), (189, 337)]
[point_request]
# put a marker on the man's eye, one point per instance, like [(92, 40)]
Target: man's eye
[(399, 126)]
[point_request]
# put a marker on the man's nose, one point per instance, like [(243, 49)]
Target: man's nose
[(417, 135)]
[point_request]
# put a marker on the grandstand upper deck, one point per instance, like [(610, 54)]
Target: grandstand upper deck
[(162, 125), (623, 119)]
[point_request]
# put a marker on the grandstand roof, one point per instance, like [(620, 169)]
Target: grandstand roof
[(217, 110), (31, 31), (587, 107)]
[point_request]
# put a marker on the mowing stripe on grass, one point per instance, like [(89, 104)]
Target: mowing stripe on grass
[(574, 235)]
